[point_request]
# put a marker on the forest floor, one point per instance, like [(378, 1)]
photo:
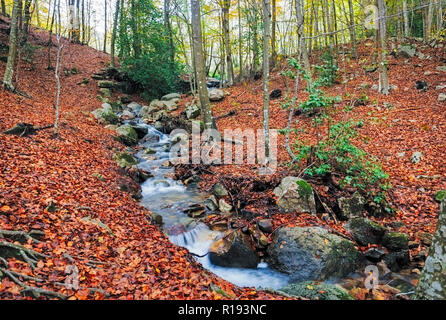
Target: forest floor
[(132, 258)]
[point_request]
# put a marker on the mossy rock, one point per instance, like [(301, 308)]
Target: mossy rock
[(365, 231), (316, 290), (440, 195), (125, 160), (105, 116), (305, 190), (396, 241)]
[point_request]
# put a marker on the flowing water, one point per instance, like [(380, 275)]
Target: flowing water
[(168, 198)]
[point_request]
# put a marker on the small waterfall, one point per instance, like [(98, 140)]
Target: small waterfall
[(169, 198)]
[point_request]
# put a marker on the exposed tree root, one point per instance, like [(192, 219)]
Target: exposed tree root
[(22, 236)]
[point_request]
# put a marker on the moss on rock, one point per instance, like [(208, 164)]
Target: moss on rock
[(125, 160), (316, 290), (396, 241)]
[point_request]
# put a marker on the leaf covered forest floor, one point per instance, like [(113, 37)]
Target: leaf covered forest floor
[(136, 260), (406, 121)]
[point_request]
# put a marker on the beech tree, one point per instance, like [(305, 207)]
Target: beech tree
[(200, 65), (9, 70)]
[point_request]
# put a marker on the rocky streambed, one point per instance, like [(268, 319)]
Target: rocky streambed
[(303, 261)]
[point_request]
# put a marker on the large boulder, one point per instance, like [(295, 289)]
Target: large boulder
[(365, 231), (146, 111), (125, 160), (171, 96), (171, 105), (192, 112), (216, 94), (311, 253), (233, 250), (396, 241), (127, 135), (316, 290), (295, 194), (105, 115), (406, 51)]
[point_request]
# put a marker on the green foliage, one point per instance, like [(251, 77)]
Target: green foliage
[(144, 48), (337, 154), (328, 71), (317, 100)]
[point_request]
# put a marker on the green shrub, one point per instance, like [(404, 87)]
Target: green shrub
[(337, 154), (328, 71)]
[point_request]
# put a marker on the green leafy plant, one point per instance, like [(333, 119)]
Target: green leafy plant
[(337, 154), (328, 71)]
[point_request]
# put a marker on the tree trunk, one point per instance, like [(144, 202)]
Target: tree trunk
[(432, 283), (134, 25), (266, 40), (3, 8), (9, 71), (169, 30), (240, 54), (199, 65), (26, 21), (430, 18), (273, 35), (352, 28), (113, 39), (381, 44), (230, 68), (105, 27), (300, 33)]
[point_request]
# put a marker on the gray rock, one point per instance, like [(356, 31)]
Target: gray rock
[(171, 96), (351, 207), (223, 206), (146, 111), (233, 250), (441, 68), (311, 253), (127, 115), (440, 87), (396, 241), (127, 135), (295, 194), (374, 254), (192, 112), (105, 84), (441, 97), (365, 231), (105, 92), (216, 94), (171, 105), (134, 106), (211, 203), (265, 225), (416, 157), (406, 51), (397, 260), (316, 290), (219, 190), (157, 104), (105, 116), (125, 160)]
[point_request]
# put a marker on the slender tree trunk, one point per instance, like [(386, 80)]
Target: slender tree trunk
[(430, 18), (273, 34), (50, 36), (300, 33), (439, 16), (432, 283), (105, 26), (26, 21), (83, 21), (3, 8), (169, 30), (134, 26), (383, 77), (406, 19), (352, 28), (240, 53), (266, 40), (9, 71), (230, 68), (113, 39), (199, 65)]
